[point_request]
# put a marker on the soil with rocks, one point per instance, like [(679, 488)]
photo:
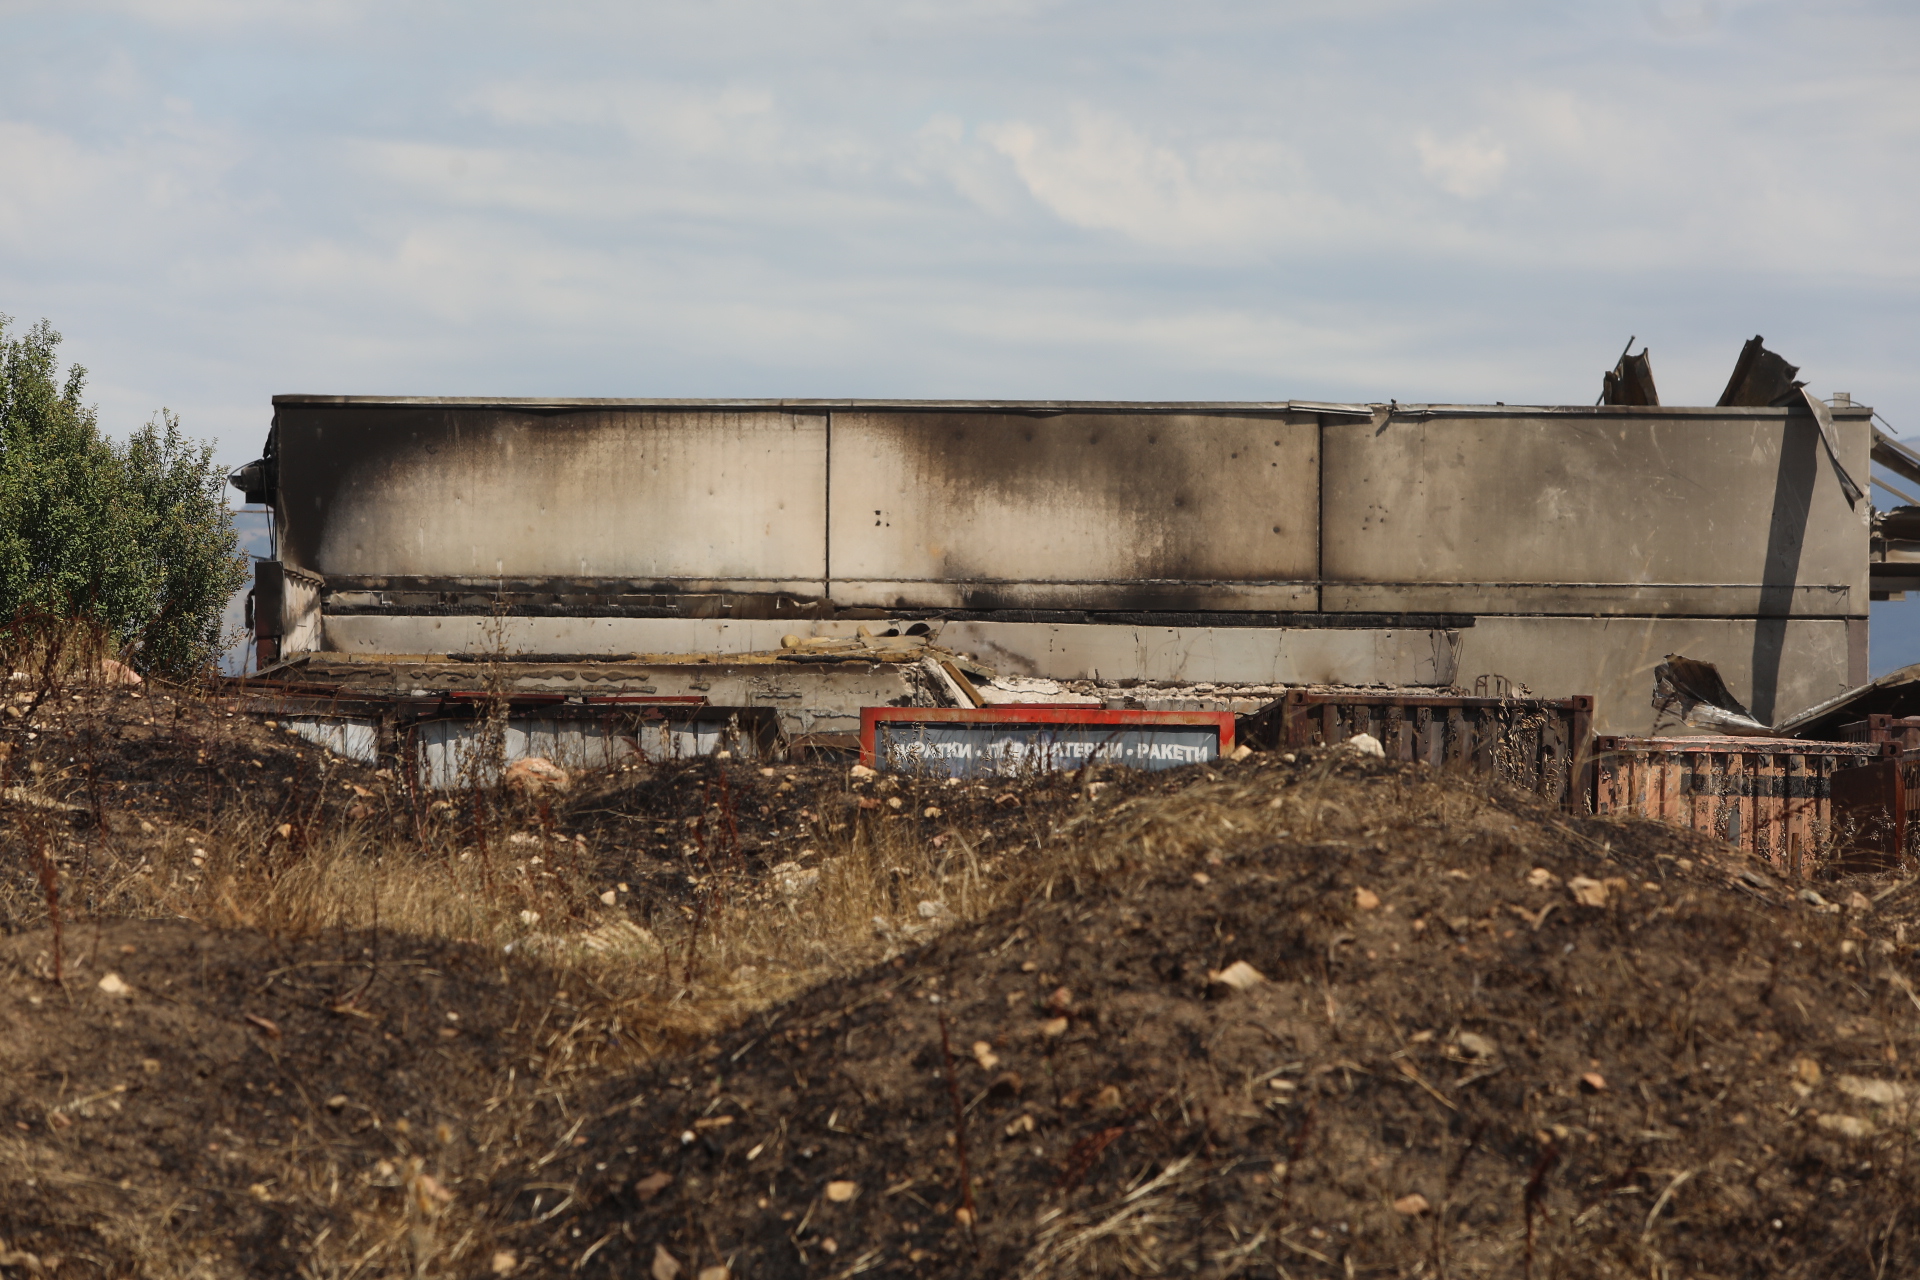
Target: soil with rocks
[(107, 779), (1292, 1017), (1449, 1035), (163, 1107)]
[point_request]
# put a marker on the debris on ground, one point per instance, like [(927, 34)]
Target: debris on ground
[(1312, 1014)]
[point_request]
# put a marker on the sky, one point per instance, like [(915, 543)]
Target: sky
[(219, 200)]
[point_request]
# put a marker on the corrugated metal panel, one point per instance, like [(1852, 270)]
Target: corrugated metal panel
[(1902, 731), (1542, 745), (439, 739), (1871, 804), (450, 752), (1772, 797)]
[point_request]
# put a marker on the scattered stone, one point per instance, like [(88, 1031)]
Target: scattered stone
[(1238, 976), (1588, 892), (120, 673), (1473, 1045), (536, 776), (114, 985), (1366, 899), (792, 880), (1885, 1093), (28, 1262), (1411, 1206), (1365, 744), (1847, 1126), (1593, 1082)]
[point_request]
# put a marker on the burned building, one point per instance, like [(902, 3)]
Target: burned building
[(789, 555)]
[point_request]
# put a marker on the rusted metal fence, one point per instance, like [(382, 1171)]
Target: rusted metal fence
[(1902, 731), (1871, 809), (1543, 745), (1772, 797)]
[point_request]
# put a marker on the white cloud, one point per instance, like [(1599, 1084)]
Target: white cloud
[(1467, 167), (226, 15), (1002, 197), (694, 119), (1101, 173)]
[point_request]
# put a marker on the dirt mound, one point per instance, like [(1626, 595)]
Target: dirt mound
[(1285, 1023), (1313, 1017), (182, 1102)]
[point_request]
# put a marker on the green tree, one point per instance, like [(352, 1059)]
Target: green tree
[(135, 537)]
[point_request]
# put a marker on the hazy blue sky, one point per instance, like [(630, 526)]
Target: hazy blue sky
[(216, 200)]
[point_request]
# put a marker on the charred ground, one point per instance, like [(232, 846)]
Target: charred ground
[(363, 1032)]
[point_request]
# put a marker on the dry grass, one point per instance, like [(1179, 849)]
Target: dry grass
[(738, 942), (589, 991)]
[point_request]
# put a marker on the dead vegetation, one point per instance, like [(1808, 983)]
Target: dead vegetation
[(1318, 1017)]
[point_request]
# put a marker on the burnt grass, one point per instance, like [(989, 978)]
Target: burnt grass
[(1449, 1063), (162, 1132), (1676, 1083)]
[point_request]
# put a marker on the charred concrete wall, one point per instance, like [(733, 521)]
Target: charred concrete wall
[(1626, 511), (1128, 511), (641, 501), (1569, 548)]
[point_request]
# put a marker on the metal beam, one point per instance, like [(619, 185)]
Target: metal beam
[(1895, 457)]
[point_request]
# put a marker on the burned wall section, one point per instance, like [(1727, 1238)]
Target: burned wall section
[(1566, 549), (1088, 511), (1615, 510), (627, 500)]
